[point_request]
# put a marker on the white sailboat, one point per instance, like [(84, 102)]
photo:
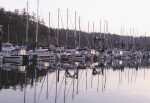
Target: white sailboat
[(14, 55)]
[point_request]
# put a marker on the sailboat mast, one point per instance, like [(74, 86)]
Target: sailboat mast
[(93, 35), (104, 29), (36, 42), (8, 32), (67, 32), (120, 33), (100, 33), (27, 25), (107, 33), (49, 28), (75, 32), (133, 36), (130, 40), (88, 34), (79, 32), (58, 29)]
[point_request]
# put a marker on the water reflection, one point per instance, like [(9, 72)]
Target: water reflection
[(68, 81)]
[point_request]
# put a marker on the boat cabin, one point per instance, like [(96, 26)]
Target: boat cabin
[(7, 45), (18, 52)]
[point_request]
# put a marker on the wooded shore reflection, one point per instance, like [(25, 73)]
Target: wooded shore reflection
[(65, 80)]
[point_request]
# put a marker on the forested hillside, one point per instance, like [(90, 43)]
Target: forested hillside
[(14, 22)]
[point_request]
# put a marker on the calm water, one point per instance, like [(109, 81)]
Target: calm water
[(76, 82)]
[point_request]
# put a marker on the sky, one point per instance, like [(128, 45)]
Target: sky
[(123, 14)]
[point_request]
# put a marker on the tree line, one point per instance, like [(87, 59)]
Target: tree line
[(16, 21)]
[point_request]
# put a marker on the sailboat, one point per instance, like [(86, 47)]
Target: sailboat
[(13, 54), (81, 54)]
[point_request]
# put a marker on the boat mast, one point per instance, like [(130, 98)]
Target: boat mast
[(100, 34), (133, 40), (88, 34), (104, 29), (49, 28), (107, 33), (130, 40), (58, 29), (75, 31), (93, 36), (37, 26), (120, 33), (1, 33), (67, 32), (27, 25), (8, 34), (104, 35), (79, 32)]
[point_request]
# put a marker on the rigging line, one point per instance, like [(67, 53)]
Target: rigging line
[(54, 30), (71, 24), (119, 80), (98, 83), (61, 20), (86, 34), (91, 81), (41, 89), (106, 79), (80, 76), (91, 77), (47, 86), (71, 21), (25, 88), (60, 86), (82, 82), (69, 89), (51, 85), (41, 13), (42, 17), (102, 81), (65, 89), (29, 95)]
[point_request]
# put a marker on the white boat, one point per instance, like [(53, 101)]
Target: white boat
[(14, 55), (7, 46), (81, 54), (44, 54), (67, 55)]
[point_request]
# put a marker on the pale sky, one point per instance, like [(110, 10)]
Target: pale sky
[(128, 13)]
